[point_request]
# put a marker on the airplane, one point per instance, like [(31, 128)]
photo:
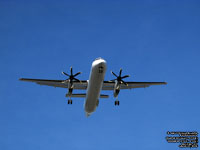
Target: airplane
[(94, 85)]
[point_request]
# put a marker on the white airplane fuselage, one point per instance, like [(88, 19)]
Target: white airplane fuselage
[(95, 83)]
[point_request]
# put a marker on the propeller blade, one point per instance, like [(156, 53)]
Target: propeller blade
[(126, 76), (65, 74), (77, 74), (120, 72), (124, 83), (114, 74), (71, 70), (119, 78)]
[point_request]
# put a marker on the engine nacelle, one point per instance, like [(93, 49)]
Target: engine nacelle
[(116, 92), (116, 89), (70, 88), (70, 91)]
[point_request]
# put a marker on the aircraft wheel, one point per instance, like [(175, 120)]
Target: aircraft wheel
[(69, 101), (116, 102)]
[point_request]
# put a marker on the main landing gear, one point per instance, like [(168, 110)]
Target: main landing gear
[(117, 103), (69, 101)]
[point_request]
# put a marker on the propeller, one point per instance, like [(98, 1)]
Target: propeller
[(72, 76), (119, 78)]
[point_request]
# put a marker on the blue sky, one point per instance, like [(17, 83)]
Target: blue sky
[(150, 40)]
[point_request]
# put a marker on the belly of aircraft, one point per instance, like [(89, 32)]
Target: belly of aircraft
[(94, 87), (93, 95)]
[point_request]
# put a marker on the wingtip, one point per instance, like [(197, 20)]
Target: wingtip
[(23, 79)]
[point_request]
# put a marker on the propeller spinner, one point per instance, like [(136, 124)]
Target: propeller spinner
[(119, 78)]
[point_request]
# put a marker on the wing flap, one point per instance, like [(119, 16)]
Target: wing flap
[(76, 95)]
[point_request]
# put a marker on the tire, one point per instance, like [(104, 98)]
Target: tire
[(117, 102)]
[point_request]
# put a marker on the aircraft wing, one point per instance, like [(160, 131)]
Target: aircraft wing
[(58, 83), (109, 85)]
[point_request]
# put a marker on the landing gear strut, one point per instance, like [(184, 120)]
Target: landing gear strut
[(69, 101)]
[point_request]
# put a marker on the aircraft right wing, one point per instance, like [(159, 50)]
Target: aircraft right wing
[(58, 83), (109, 85)]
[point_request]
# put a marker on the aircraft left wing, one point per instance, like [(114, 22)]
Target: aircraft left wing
[(58, 83), (109, 85)]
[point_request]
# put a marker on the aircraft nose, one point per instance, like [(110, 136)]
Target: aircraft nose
[(102, 62), (98, 62)]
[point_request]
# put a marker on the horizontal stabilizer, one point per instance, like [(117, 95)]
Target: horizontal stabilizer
[(104, 96), (84, 95)]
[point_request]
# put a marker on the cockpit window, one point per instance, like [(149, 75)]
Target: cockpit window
[(100, 69)]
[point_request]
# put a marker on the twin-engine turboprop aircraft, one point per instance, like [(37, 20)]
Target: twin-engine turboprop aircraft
[(94, 85)]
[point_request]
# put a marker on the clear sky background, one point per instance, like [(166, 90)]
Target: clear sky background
[(151, 40)]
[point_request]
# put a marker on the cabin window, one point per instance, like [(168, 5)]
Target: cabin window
[(101, 69)]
